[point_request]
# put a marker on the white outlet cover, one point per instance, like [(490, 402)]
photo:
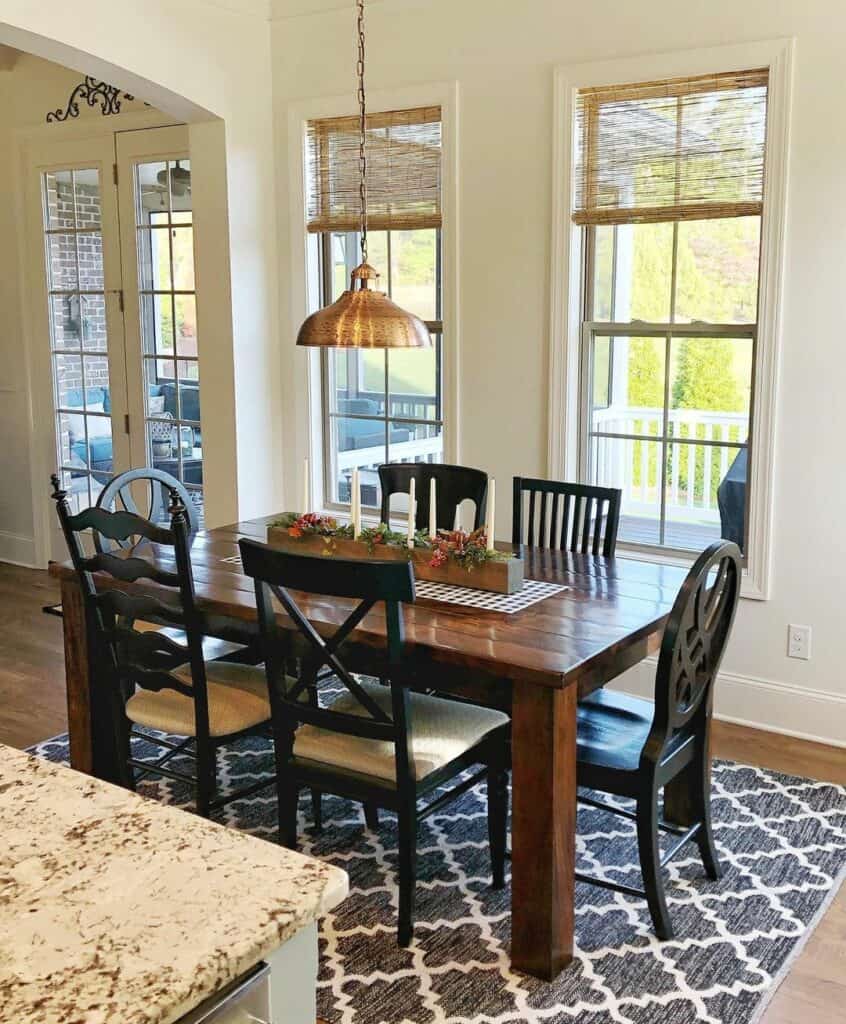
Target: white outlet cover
[(799, 642)]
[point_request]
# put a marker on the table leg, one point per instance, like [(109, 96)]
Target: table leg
[(543, 830), (76, 677), (90, 729)]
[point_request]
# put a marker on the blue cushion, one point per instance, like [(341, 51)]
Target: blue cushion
[(95, 396), (100, 447), (356, 434), (190, 396), (359, 406)]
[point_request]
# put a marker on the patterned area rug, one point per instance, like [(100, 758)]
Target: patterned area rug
[(783, 847)]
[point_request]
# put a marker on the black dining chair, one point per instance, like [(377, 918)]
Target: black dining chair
[(148, 679), (454, 484), (156, 489), (571, 517), (632, 748), (376, 744)]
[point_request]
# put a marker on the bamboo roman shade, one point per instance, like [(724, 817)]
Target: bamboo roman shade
[(684, 149), (403, 171)]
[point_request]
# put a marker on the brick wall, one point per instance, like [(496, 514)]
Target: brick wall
[(78, 321)]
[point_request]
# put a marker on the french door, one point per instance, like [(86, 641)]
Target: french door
[(116, 367), (162, 357)]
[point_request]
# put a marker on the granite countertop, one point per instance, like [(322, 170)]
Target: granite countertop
[(117, 909)]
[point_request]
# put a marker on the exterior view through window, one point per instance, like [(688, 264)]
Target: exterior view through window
[(73, 243), (383, 406), (168, 318), (669, 193), (379, 405)]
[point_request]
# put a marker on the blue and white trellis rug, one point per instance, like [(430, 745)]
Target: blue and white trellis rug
[(782, 842)]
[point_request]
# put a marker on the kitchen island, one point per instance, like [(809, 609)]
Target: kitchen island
[(118, 909)]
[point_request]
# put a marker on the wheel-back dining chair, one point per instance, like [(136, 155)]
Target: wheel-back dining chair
[(632, 748), (146, 677), (118, 492), (454, 484), (570, 517), (157, 489), (122, 490), (376, 744)]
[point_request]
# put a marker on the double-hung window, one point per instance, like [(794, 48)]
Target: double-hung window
[(669, 194), (379, 406)]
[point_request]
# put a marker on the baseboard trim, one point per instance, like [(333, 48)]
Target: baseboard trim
[(802, 712), (17, 549)]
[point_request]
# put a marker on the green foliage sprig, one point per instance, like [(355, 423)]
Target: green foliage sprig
[(466, 549)]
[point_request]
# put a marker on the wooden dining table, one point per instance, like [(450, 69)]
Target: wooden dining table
[(537, 663)]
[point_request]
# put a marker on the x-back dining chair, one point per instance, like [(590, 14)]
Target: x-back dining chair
[(147, 678), (454, 484), (376, 744), (632, 748), (571, 517)]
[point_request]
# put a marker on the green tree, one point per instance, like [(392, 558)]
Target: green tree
[(704, 377)]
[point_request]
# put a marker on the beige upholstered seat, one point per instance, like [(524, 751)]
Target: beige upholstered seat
[(237, 700), (441, 731), (212, 646)]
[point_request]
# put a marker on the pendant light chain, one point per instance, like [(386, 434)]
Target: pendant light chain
[(362, 133)]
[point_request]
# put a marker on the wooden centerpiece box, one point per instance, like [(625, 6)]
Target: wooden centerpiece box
[(502, 574)]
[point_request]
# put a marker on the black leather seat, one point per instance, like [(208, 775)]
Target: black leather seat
[(612, 729)]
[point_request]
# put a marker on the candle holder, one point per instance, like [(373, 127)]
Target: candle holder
[(453, 557)]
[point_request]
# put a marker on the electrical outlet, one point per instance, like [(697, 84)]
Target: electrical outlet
[(799, 642)]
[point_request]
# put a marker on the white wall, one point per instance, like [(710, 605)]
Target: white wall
[(502, 56), (28, 89), (198, 61), (16, 529)]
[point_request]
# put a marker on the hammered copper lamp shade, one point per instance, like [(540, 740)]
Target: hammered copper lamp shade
[(363, 318)]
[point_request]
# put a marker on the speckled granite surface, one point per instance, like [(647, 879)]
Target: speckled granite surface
[(116, 909)]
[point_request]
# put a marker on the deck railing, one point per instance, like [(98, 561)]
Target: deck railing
[(694, 472), (425, 448)]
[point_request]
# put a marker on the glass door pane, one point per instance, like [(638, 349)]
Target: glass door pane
[(82, 388), (167, 306)]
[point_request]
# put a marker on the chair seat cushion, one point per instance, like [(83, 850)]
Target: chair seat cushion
[(237, 700), (612, 729), (442, 730)]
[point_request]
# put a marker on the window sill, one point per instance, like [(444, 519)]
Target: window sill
[(749, 588)]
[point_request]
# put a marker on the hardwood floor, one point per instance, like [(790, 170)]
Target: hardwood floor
[(32, 708), (32, 667)]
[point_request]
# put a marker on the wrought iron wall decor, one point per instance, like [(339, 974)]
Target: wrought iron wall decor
[(93, 92)]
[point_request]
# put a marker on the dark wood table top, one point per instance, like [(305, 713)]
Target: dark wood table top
[(610, 615)]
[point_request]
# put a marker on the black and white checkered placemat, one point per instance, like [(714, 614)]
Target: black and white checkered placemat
[(530, 593)]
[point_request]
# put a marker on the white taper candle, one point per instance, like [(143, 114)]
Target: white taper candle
[(356, 503), (490, 527), (306, 491), (433, 510), (411, 503)]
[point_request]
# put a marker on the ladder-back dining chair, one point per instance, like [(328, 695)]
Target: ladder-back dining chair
[(630, 747), (454, 484), (148, 679), (156, 489), (381, 745), (570, 517)]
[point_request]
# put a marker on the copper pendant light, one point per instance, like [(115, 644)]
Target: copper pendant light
[(363, 317)]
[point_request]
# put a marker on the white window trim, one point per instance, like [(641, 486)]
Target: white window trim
[(307, 426), (565, 283)]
